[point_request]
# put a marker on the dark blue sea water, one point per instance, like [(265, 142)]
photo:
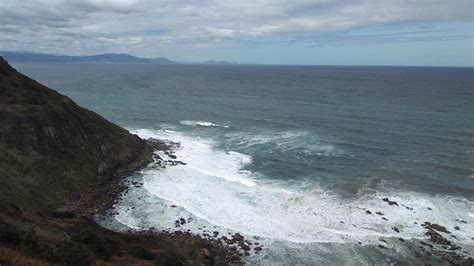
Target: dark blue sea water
[(294, 155)]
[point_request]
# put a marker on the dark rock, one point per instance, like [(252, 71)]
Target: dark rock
[(257, 248), (237, 237), (437, 238), (426, 244), (454, 247), (244, 246), (368, 212), (379, 213), (396, 229), (392, 203), (456, 259), (456, 228), (437, 227)]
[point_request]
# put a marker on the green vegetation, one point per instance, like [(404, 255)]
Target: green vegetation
[(55, 154)]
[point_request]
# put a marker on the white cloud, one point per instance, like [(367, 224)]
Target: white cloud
[(95, 25)]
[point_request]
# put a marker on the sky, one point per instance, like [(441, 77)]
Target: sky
[(303, 32)]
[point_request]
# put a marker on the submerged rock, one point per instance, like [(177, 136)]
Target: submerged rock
[(392, 203)]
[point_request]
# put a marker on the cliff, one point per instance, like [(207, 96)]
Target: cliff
[(55, 155)]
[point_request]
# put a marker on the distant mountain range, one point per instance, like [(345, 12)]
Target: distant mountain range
[(101, 58)]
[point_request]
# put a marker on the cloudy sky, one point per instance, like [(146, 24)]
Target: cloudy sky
[(361, 32)]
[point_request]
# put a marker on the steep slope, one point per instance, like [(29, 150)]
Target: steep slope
[(59, 164), (50, 147)]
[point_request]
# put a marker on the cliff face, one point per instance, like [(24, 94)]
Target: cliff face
[(51, 148)]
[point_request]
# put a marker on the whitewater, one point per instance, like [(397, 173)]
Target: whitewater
[(296, 158), (214, 190)]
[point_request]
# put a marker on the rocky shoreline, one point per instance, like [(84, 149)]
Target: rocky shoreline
[(60, 164), (436, 246), (99, 197)]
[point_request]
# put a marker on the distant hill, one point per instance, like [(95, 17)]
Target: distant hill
[(162, 60), (101, 58)]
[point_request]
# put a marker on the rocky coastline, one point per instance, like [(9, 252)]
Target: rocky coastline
[(60, 165), (438, 245)]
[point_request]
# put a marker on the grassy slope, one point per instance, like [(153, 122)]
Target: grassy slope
[(51, 150)]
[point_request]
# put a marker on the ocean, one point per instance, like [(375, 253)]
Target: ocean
[(297, 158)]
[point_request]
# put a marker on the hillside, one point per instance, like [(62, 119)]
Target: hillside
[(59, 165), (51, 145)]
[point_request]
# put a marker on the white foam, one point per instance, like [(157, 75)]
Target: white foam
[(213, 187), (200, 157), (197, 123), (293, 141)]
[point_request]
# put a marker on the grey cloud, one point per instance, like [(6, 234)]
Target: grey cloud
[(92, 26)]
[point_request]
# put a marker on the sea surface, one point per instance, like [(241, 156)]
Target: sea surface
[(293, 157)]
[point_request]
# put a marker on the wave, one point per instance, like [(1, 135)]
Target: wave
[(200, 157), (293, 142), (214, 188), (198, 123)]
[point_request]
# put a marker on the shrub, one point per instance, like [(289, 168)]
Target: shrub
[(9, 234), (141, 252), (29, 241), (62, 214), (70, 253), (103, 247), (170, 259)]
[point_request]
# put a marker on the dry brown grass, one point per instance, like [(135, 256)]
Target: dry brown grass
[(10, 256)]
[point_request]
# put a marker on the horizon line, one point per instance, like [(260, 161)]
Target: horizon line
[(208, 62)]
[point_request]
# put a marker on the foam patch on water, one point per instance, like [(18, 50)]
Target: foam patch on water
[(203, 159), (198, 123), (293, 142), (213, 187)]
